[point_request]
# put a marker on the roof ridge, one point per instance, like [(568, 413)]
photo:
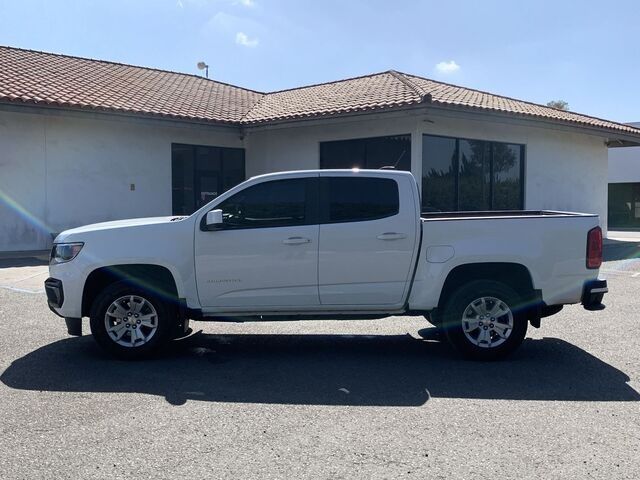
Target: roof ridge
[(243, 119), (518, 100), (357, 77), (111, 62), (422, 93)]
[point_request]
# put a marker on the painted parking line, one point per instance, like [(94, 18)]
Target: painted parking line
[(28, 279), (620, 273), (21, 290)]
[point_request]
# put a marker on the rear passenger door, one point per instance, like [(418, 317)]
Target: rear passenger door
[(367, 240)]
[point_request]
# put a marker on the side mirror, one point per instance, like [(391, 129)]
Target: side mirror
[(214, 220)]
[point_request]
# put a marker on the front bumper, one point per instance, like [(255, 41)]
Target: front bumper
[(55, 293), (593, 293), (55, 299)]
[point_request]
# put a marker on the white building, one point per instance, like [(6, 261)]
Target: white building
[(624, 187), (85, 141)]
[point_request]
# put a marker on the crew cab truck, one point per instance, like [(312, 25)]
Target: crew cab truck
[(325, 244)]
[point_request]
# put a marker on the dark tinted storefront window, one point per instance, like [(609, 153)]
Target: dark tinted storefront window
[(507, 176), (474, 175), (439, 174), (466, 175), (624, 205), (200, 174), (376, 152)]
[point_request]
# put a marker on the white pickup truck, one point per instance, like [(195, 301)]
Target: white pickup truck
[(325, 244)]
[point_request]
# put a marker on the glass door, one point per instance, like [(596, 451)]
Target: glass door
[(624, 205), (200, 174)]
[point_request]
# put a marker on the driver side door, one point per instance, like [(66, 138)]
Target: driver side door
[(265, 255)]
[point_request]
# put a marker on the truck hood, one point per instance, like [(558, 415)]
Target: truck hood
[(76, 234)]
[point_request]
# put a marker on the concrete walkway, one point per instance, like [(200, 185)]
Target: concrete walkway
[(620, 236), (23, 274)]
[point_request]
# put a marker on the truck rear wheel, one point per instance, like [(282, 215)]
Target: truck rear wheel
[(131, 322), (483, 320)]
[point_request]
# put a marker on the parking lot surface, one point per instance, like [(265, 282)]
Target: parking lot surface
[(333, 399)]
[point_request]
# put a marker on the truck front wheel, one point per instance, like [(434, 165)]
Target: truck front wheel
[(483, 320), (131, 322)]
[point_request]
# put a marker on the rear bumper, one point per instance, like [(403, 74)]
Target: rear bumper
[(593, 293)]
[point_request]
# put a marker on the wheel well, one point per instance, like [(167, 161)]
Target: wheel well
[(515, 275), (155, 278)]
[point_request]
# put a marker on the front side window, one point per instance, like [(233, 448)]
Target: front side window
[(352, 199), (279, 203)]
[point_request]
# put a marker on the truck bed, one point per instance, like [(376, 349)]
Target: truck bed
[(551, 245), (499, 214)]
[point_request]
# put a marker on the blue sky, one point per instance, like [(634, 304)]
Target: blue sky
[(584, 52)]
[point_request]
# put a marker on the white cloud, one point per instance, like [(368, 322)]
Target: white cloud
[(180, 4), (447, 67), (244, 40), (246, 3)]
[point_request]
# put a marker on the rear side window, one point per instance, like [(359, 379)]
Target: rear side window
[(280, 203), (356, 199)]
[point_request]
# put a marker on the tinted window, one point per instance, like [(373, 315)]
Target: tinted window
[(348, 199), (474, 180), (439, 160), (507, 168), (624, 205), (200, 174), (279, 203), (375, 152), (459, 174)]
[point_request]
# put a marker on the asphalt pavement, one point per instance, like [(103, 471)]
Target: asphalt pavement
[(332, 399)]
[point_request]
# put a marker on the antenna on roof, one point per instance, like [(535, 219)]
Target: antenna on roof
[(395, 165), (205, 67)]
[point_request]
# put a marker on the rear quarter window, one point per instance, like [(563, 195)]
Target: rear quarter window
[(357, 199)]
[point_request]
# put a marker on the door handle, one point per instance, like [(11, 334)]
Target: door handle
[(391, 236), (296, 240)]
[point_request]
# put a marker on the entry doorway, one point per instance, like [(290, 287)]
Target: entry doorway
[(624, 206), (201, 173)]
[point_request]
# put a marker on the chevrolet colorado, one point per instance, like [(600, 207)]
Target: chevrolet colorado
[(325, 244)]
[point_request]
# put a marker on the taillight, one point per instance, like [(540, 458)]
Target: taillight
[(594, 248)]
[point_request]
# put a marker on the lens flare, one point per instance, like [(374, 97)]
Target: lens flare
[(12, 205)]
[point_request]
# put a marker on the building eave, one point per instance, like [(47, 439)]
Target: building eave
[(115, 115)]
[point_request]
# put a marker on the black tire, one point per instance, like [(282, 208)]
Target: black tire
[(165, 319), (487, 342), (433, 319)]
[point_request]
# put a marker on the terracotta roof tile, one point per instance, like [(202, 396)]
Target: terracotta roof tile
[(446, 94), (370, 92), (42, 78), (32, 77)]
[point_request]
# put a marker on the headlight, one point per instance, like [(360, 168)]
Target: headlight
[(64, 252)]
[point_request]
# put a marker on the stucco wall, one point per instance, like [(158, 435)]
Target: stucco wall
[(60, 171), (624, 165)]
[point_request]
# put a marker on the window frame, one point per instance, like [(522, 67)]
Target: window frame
[(456, 166), (323, 208)]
